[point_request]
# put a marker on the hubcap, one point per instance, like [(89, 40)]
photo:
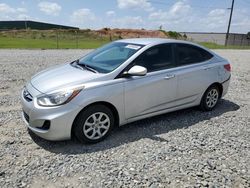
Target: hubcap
[(96, 125), (212, 98)]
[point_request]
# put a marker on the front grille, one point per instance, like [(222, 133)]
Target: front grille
[(27, 96), (26, 117)]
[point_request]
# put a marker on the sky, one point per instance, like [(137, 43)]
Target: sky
[(174, 15)]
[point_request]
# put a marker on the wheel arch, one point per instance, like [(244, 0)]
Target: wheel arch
[(216, 84), (107, 104), (219, 85)]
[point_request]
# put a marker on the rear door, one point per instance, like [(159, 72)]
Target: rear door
[(156, 90), (195, 72)]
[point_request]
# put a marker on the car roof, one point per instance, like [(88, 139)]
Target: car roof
[(155, 41), (151, 41), (145, 41)]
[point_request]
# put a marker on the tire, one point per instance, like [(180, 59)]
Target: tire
[(93, 124), (210, 98)]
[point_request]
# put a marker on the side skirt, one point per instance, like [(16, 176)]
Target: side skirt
[(163, 111)]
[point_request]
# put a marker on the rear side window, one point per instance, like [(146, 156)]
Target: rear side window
[(156, 58), (189, 54)]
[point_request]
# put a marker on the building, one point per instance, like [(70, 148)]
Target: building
[(10, 25), (236, 39)]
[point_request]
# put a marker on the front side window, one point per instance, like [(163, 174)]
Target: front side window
[(189, 54), (109, 57), (156, 58)]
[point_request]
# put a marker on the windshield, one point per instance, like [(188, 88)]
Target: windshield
[(110, 56)]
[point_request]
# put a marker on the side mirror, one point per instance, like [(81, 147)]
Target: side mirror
[(137, 71)]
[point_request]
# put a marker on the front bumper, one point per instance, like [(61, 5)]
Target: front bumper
[(58, 119)]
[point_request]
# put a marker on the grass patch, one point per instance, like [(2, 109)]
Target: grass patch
[(7, 42), (71, 39), (219, 46), (67, 39)]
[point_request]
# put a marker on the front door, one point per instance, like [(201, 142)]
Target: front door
[(156, 90)]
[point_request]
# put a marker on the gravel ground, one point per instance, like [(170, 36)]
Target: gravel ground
[(188, 148)]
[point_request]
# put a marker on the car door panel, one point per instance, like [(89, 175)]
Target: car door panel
[(156, 90), (150, 93), (191, 81)]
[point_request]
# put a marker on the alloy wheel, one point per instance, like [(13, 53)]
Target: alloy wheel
[(212, 98), (96, 125)]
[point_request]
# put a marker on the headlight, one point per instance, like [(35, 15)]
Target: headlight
[(56, 99)]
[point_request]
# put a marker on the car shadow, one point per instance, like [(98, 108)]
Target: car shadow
[(147, 128)]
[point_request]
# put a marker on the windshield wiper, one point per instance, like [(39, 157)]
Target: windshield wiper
[(87, 67)]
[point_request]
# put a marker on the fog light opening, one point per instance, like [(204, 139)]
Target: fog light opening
[(46, 125)]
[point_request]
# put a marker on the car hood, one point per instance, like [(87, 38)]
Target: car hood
[(61, 77)]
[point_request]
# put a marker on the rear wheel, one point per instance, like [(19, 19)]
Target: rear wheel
[(210, 98), (93, 124)]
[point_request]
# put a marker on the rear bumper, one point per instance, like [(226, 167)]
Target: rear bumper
[(225, 86)]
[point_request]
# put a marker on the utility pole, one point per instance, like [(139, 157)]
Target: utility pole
[(57, 46), (229, 23), (76, 39), (25, 22)]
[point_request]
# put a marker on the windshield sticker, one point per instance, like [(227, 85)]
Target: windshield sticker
[(132, 46)]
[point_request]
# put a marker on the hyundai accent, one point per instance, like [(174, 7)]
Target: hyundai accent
[(121, 82)]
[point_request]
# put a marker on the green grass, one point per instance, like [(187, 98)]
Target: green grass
[(67, 39), (84, 39), (7, 42), (218, 46)]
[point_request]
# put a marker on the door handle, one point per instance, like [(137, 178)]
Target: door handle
[(169, 76)]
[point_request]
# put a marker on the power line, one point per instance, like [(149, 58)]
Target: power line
[(246, 1), (164, 3), (208, 7)]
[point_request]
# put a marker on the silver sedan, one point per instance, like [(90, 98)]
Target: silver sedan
[(121, 82)]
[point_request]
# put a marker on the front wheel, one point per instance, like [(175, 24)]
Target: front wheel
[(210, 98), (93, 124)]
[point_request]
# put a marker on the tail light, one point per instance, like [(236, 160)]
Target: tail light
[(228, 67)]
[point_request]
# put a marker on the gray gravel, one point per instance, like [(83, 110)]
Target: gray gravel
[(188, 148)]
